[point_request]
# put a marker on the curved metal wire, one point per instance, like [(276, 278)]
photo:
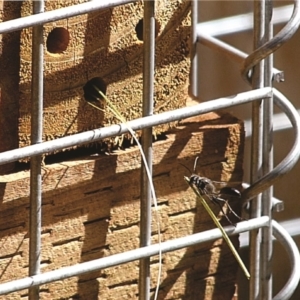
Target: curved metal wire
[(271, 46), (289, 245), (289, 161), (269, 179)]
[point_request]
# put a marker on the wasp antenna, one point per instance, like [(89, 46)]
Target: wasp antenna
[(186, 167), (195, 163)]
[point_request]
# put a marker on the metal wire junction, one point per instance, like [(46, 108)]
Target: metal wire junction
[(257, 69)]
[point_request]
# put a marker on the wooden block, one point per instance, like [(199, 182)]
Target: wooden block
[(9, 82), (91, 210), (103, 49)]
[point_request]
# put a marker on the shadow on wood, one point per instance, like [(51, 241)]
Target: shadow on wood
[(91, 210)]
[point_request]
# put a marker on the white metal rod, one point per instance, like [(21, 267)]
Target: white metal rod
[(145, 186), (257, 79), (137, 124), (275, 43), (289, 161), (292, 250), (194, 81), (266, 234), (128, 256), (35, 220), (231, 52), (59, 14), (240, 23)]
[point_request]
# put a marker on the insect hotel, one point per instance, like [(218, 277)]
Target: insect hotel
[(90, 92)]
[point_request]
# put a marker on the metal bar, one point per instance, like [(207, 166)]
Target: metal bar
[(194, 81), (282, 102), (216, 27), (145, 252), (231, 52), (280, 122), (263, 50), (289, 161), (131, 255), (290, 226), (243, 22), (59, 14), (277, 41), (146, 199), (283, 236), (256, 152), (276, 204), (137, 124), (36, 138), (292, 250), (266, 234)]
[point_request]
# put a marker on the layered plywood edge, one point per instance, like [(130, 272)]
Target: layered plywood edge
[(91, 210), (104, 49)]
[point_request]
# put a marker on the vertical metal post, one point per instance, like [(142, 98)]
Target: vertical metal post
[(194, 57), (148, 81), (35, 162), (256, 152), (266, 237)]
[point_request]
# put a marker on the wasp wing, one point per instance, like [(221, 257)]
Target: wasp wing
[(227, 189), (228, 192)]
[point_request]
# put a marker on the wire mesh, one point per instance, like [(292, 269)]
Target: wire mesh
[(257, 70)]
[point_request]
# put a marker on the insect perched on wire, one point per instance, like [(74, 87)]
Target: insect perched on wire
[(214, 191)]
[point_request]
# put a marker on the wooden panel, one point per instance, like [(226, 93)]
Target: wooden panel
[(9, 81), (104, 45), (91, 210)]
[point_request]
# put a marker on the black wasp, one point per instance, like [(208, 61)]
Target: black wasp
[(213, 190)]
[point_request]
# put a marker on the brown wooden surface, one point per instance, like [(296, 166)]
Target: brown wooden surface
[(105, 44), (91, 210), (9, 81)]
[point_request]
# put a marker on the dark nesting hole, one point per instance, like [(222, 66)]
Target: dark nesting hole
[(139, 29), (92, 87), (58, 40)]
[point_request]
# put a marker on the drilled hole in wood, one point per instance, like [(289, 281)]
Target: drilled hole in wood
[(90, 89), (58, 40), (139, 29)]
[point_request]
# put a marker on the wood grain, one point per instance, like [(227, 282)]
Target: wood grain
[(9, 82), (91, 210), (104, 45)]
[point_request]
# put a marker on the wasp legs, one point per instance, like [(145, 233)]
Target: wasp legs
[(217, 201)]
